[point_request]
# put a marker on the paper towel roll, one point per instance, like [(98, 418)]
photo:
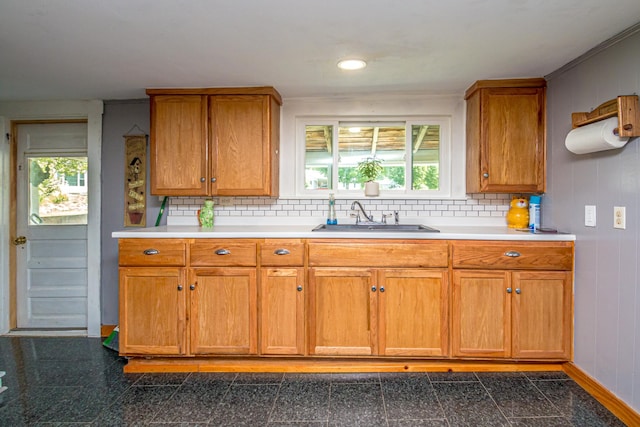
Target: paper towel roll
[(594, 137)]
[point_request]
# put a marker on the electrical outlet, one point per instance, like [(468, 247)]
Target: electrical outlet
[(619, 217), (589, 216), (225, 201)]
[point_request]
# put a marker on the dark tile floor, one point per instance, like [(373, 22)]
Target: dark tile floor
[(76, 381)]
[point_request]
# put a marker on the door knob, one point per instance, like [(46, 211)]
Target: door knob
[(20, 240)]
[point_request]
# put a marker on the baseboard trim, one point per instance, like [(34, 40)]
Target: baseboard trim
[(325, 365), (612, 402), (105, 330)]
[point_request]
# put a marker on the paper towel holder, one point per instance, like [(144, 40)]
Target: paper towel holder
[(625, 107)]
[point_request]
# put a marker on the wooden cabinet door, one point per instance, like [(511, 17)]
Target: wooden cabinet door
[(223, 311), (413, 312), (241, 158), (282, 310), (512, 147), (152, 311), (342, 312), (178, 149), (542, 313), (481, 314)]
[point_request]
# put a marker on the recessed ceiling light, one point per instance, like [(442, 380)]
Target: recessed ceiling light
[(352, 64)]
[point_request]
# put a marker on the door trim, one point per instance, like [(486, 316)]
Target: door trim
[(56, 112)]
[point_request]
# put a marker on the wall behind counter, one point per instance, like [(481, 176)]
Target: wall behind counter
[(118, 118)]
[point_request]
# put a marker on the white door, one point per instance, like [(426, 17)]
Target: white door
[(51, 223)]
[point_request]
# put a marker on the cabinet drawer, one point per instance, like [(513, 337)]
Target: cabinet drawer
[(208, 253), (513, 255), (282, 253), (391, 253), (152, 252)]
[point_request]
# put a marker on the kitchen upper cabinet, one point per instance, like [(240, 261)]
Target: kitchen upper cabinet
[(179, 150), (221, 142), (506, 136)]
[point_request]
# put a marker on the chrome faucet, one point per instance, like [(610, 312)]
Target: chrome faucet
[(358, 204)]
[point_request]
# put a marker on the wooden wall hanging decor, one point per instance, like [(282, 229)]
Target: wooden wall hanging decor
[(135, 182)]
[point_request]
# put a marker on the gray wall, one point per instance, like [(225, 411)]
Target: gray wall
[(607, 290), (119, 117)]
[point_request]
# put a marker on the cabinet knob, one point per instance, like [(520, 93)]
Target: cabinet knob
[(179, 287), (373, 289), (508, 290), (381, 288), (281, 252), (485, 175), (192, 287), (512, 254), (299, 288), (518, 291), (151, 252), (203, 179), (213, 180), (223, 252)]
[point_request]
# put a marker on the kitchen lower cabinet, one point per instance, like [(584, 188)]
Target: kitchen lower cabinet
[(390, 312), (206, 299), (152, 311), (282, 310), (481, 314), (519, 305), (413, 308), (343, 310), (223, 311), (541, 315)]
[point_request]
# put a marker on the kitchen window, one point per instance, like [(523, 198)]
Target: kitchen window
[(414, 154)]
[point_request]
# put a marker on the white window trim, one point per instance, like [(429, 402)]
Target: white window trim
[(444, 163), (376, 105)]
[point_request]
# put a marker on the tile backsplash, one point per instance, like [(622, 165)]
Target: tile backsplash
[(182, 210)]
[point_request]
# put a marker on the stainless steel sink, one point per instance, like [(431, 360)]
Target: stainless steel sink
[(400, 228)]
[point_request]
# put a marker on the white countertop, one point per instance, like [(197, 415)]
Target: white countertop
[(304, 232)]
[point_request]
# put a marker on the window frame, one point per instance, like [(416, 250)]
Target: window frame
[(444, 166)]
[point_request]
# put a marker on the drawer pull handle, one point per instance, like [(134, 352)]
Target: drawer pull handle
[(223, 252), (518, 291), (151, 252), (179, 287), (192, 287), (373, 289), (512, 254), (508, 290), (299, 288), (381, 288), (281, 252)]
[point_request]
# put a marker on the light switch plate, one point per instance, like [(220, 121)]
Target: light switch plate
[(589, 216), (619, 217)]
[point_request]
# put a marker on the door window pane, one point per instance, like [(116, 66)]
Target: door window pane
[(57, 191)]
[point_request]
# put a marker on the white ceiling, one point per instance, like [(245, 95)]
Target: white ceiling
[(114, 49)]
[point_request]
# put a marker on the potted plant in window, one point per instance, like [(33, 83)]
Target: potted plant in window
[(368, 170)]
